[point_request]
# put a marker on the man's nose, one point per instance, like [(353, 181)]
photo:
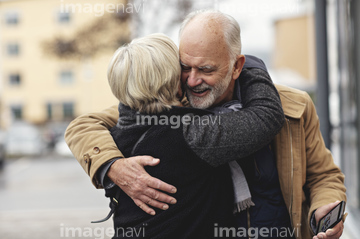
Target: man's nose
[(194, 79)]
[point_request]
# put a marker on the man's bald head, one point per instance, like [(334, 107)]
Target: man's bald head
[(216, 25)]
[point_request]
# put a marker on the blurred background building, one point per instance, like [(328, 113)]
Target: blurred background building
[(294, 51), (54, 56)]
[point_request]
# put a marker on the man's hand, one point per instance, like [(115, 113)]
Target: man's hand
[(334, 232), (129, 174)]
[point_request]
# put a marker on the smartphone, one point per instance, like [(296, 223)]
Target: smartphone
[(332, 218)]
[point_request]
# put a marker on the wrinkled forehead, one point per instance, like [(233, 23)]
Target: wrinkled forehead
[(203, 38)]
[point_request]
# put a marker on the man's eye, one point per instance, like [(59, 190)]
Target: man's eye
[(185, 68), (207, 70)]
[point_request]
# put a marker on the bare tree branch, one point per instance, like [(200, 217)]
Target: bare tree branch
[(105, 33)]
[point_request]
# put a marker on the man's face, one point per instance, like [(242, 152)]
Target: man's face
[(206, 85), (206, 72)]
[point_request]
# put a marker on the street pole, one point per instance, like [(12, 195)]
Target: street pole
[(322, 89)]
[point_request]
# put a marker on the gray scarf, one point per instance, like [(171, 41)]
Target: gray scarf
[(242, 195)]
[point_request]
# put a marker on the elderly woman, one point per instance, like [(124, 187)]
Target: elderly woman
[(145, 76)]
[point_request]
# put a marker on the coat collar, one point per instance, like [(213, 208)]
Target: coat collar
[(293, 107)]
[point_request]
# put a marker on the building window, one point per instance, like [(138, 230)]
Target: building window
[(63, 17), (66, 77), (14, 79), (68, 110), (60, 111), (54, 111), (17, 112), (13, 49), (12, 18), (49, 111)]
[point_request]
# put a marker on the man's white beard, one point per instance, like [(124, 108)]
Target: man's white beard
[(216, 91)]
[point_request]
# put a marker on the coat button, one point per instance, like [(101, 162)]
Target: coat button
[(86, 158), (96, 150)]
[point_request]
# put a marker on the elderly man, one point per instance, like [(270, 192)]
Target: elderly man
[(298, 174)]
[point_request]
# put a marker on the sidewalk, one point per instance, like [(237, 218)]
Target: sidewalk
[(351, 229), (54, 224), (50, 198)]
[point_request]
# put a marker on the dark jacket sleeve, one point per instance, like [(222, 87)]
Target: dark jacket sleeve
[(238, 134)]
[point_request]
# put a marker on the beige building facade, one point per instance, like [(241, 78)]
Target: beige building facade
[(39, 87), (295, 46)]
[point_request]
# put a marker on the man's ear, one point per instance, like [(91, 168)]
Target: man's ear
[(239, 63)]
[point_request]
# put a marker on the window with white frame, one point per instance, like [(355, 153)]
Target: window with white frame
[(12, 18), (66, 77), (17, 112), (68, 110), (13, 49), (15, 79), (63, 17)]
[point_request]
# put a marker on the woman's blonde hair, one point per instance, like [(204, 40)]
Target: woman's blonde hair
[(145, 74)]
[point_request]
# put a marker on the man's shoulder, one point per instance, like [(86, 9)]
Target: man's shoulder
[(254, 62), (294, 101)]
